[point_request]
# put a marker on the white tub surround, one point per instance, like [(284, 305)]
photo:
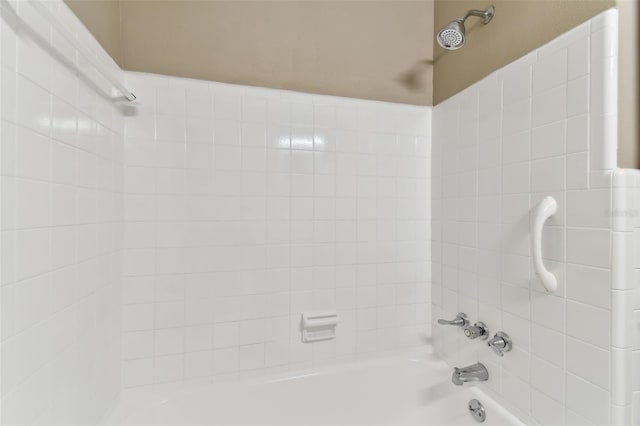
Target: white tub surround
[(626, 211), (246, 207), (61, 140), (542, 126), (402, 390)]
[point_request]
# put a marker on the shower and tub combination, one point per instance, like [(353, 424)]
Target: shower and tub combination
[(179, 251)]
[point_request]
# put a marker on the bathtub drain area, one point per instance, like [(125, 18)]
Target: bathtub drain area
[(476, 409)]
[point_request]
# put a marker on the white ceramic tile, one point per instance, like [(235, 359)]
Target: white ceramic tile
[(516, 80), (545, 410), (603, 129), (550, 71), (516, 147), (587, 399), (515, 178), (516, 118), (548, 344), (581, 213), (548, 311), (32, 106), (578, 58), (198, 365), (251, 357), (547, 378), (589, 285), (622, 253), (516, 391), (198, 338), (604, 72), (588, 247), (578, 133), (138, 372), (636, 404), (548, 175), (169, 314), (621, 365), (603, 43), (593, 325), (32, 155), (168, 368), (574, 418), (635, 362), (252, 331), (578, 171), (199, 102), (549, 140), (578, 96), (621, 314), (549, 106), (581, 357)]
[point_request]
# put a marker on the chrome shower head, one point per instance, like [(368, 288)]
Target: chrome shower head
[(452, 36)]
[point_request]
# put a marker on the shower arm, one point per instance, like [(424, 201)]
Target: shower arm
[(486, 14)]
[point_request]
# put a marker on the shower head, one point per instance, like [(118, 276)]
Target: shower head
[(452, 36)]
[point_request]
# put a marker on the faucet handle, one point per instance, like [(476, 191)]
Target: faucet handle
[(500, 343), (460, 320), (476, 330)]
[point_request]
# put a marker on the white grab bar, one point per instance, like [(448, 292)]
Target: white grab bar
[(46, 14), (543, 211)]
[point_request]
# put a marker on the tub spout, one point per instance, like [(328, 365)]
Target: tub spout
[(476, 372)]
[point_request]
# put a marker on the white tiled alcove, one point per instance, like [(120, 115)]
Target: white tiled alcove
[(244, 206)]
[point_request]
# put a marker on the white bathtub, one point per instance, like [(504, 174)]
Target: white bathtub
[(400, 390)]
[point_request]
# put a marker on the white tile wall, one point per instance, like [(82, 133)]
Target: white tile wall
[(543, 125), (627, 211), (61, 221), (246, 207)]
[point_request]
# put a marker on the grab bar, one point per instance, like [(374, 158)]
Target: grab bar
[(543, 211), (46, 14)]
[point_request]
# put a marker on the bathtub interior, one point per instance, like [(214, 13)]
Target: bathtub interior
[(408, 389)]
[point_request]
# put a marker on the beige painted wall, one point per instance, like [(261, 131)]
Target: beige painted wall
[(629, 85), (361, 49), (102, 18)]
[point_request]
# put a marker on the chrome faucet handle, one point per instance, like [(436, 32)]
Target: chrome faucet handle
[(477, 330), (460, 320), (500, 343)]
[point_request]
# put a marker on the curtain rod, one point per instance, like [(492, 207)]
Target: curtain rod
[(46, 13)]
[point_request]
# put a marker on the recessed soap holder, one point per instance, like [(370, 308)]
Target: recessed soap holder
[(318, 325)]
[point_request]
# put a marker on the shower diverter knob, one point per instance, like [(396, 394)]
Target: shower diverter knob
[(476, 330)]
